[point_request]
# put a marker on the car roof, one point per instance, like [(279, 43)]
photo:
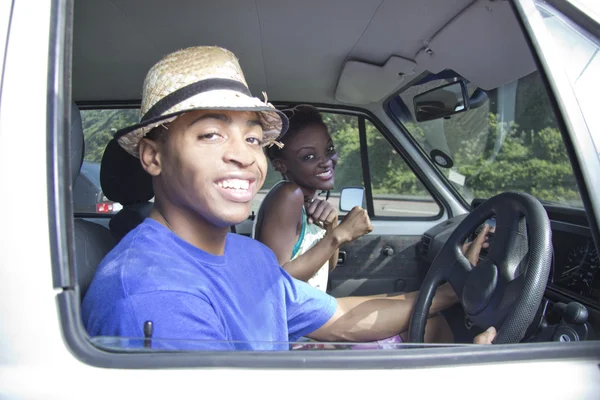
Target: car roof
[(319, 51)]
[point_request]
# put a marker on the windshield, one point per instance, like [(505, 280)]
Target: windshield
[(508, 140)]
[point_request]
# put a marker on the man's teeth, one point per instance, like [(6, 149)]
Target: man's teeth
[(239, 184), (324, 173)]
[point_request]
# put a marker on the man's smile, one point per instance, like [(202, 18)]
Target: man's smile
[(238, 188), (240, 184)]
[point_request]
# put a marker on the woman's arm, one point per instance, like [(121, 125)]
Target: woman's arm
[(279, 232), (306, 265), (323, 213), (334, 257)]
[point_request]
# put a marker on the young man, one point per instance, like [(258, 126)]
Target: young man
[(201, 138)]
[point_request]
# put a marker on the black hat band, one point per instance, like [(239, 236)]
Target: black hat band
[(189, 91)]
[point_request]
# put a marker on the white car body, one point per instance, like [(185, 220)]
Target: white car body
[(37, 362)]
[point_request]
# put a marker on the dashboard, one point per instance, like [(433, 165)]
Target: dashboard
[(575, 269)]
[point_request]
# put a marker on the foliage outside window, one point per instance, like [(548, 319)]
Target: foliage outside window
[(396, 189), (510, 143), (99, 126)]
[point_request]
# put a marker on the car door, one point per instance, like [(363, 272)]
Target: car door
[(5, 13), (400, 205)]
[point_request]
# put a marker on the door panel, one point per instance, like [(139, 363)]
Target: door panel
[(366, 269), (385, 261)]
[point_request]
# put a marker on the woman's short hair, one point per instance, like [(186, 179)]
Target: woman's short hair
[(300, 117)]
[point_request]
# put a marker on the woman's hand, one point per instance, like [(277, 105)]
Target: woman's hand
[(321, 212), (355, 224)]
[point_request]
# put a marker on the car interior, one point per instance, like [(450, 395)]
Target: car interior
[(388, 74)]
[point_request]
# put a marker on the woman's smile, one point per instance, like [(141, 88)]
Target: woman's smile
[(326, 175)]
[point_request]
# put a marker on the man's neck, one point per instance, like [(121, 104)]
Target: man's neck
[(193, 229)]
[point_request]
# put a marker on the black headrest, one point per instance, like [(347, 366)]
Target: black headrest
[(122, 177), (77, 143), (128, 218)]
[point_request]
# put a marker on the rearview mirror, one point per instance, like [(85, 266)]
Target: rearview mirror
[(351, 197), (451, 98), (478, 98)]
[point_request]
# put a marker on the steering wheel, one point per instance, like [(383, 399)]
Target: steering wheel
[(505, 289)]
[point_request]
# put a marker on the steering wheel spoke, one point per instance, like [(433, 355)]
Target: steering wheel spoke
[(510, 291), (458, 273), (503, 302), (509, 245)]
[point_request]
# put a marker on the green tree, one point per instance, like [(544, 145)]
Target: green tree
[(494, 156), (99, 127)]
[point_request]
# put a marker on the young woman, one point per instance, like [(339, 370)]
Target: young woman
[(301, 229)]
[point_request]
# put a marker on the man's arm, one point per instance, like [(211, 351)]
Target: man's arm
[(363, 319), (359, 319)]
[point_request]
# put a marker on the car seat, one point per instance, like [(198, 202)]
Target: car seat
[(123, 180), (92, 241)]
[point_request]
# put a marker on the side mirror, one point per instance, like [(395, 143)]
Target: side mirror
[(351, 197), (451, 98)]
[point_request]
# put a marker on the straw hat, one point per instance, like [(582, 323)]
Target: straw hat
[(197, 78)]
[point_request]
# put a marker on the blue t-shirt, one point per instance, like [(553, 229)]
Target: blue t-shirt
[(240, 300)]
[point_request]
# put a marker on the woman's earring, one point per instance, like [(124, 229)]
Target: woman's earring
[(279, 167)]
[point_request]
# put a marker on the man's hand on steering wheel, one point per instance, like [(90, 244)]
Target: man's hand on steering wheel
[(471, 250), (486, 337)]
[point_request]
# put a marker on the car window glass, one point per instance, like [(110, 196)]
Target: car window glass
[(397, 191), (348, 172), (99, 127), (135, 344), (509, 141), (581, 58)]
